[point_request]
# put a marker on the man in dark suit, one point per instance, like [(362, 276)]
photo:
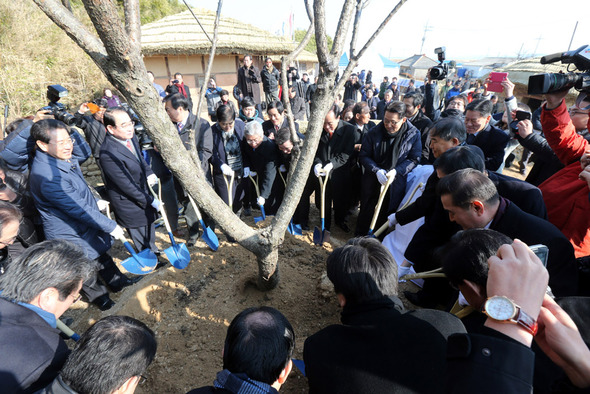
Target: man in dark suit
[(260, 157), (381, 105), (391, 149), (249, 81), (172, 191), (127, 180), (480, 132), (226, 159), (276, 119), (334, 152), (472, 201), (414, 102), (378, 348)]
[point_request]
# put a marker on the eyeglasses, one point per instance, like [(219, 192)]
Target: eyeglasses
[(66, 142), (392, 122), (127, 124), (8, 242), (574, 112), (253, 141), (76, 298)]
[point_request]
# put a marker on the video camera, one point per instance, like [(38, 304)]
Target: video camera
[(58, 110), (555, 82), (439, 72)]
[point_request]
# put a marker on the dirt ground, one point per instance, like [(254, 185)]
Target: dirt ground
[(190, 309)]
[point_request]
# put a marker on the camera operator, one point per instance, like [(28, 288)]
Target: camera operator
[(566, 193), (92, 125)]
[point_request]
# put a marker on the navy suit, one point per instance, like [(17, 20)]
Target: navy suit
[(492, 142), (218, 158), (125, 174)]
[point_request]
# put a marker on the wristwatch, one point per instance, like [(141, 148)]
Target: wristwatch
[(503, 309)]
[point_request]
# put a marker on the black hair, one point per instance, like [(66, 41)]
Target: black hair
[(276, 104), (458, 97), (461, 157), (282, 135), (335, 109), (177, 100), (247, 102), (362, 270), (449, 128), (14, 125), (465, 256), (417, 98), (483, 106), (259, 343), (225, 113), (360, 108), (224, 93), (41, 130), (113, 350), (397, 107), (55, 263), (109, 116), (466, 186)]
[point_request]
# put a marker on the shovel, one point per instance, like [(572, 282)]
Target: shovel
[(177, 254), (141, 263), (230, 187), (385, 225), (319, 237), (208, 235), (294, 229), (255, 182), (380, 202)]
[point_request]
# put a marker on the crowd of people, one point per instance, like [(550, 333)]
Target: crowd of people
[(468, 222)]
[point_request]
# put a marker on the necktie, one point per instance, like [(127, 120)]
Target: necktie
[(129, 146), (180, 126)]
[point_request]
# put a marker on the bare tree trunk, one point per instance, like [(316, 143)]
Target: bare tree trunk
[(117, 52)]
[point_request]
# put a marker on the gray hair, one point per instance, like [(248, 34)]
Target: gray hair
[(253, 128), (55, 263)]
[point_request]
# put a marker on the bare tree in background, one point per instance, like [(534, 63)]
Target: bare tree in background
[(117, 52)]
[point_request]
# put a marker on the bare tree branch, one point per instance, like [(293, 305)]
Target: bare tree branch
[(198, 21), (355, 26), (319, 10), (342, 29), (309, 10), (74, 29), (133, 22), (205, 81)]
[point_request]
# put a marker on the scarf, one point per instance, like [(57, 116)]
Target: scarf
[(391, 147), (233, 153), (181, 89), (241, 384)]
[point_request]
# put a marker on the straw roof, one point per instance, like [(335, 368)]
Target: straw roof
[(180, 34)]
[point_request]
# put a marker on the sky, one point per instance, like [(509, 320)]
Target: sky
[(468, 29)]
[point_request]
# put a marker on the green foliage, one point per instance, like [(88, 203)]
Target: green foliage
[(311, 45), (36, 53)]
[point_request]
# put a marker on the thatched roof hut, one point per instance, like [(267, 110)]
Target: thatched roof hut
[(177, 44)]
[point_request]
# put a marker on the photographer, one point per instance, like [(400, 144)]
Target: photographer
[(92, 125), (566, 192), (351, 88)]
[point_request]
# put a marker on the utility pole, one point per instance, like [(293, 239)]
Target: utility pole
[(426, 29)]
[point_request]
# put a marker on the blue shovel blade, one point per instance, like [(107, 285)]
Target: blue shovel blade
[(140, 265), (178, 255), (209, 237)]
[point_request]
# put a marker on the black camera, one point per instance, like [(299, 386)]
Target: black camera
[(58, 110), (145, 142), (439, 72), (555, 82)]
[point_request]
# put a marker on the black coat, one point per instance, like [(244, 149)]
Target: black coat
[(532, 230), (126, 183), (381, 105), (270, 80), (94, 132), (32, 350), (203, 140), (492, 142), (338, 149), (378, 349), (268, 128), (264, 161), (249, 79)]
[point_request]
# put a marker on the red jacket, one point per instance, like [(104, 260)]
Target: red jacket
[(566, 196)]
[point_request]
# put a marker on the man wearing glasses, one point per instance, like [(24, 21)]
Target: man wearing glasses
[(127, 179), (37, 288), (67, 207)]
